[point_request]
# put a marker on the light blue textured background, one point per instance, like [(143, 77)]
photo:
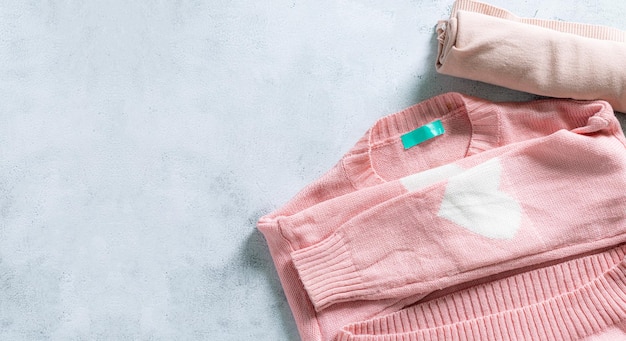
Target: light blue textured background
[(141, 140)]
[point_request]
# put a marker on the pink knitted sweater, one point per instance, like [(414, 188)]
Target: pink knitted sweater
[(507, 187)]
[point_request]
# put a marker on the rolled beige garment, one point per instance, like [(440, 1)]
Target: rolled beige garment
[(544, 57)]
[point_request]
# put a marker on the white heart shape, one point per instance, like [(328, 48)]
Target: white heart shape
[(474, 201)]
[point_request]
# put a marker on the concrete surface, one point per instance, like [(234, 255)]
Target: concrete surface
[(141, 140)]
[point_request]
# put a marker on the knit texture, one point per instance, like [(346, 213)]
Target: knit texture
[(370, 237), (544, 57), (567, 301), (510, 203)]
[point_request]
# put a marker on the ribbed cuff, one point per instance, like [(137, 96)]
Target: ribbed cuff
[(566, 301), (580, 29), (327, 272)]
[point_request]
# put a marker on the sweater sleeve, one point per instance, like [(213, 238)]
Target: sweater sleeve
[(543, 200)]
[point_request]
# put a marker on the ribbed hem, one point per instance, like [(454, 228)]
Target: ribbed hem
[(327, 272), (482, 114), (567, 301), (584, 30)]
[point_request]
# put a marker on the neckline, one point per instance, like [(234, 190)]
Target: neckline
[(483, 116)]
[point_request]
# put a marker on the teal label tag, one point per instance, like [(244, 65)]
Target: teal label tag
[(423, 133)]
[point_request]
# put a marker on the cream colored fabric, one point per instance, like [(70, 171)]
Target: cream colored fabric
[(544, 57)]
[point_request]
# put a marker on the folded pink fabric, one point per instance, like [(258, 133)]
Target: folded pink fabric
[(545, 57), (381, 230), (576, 299), (517, 204)]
